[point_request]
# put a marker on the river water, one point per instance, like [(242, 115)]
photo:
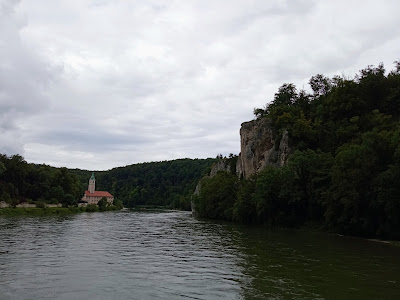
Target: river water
[(170, 255)]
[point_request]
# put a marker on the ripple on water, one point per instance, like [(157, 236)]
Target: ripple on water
[(119, 255), (154, 255)]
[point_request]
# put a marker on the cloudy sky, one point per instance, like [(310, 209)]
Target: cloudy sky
[(97, 84)]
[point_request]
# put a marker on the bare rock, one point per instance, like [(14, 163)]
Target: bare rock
[(260, 146)]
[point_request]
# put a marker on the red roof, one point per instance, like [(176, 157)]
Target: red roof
[(98, 194)]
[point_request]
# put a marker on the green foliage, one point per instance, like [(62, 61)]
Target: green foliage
[(92, 208), (217, 196), (102, 204), (344, 172), (273, 196), (167, 183), (245, 209), (5, 197), (23, 182), (68, 200), (40, 204), (2, 168), (118, 204), (40, 211)]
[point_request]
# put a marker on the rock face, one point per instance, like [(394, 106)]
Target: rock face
[(221, 165), (260, 147)]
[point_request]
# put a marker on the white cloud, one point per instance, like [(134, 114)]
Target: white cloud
[(98, 84)]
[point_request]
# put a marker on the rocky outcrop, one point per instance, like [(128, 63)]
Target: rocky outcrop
[(221, 165), (261, 147)]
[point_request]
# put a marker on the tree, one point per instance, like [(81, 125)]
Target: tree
[(217, 196), (245, 210), (320, 85), (5, 197), (2, 168), (274, 197), (118, 204), (259, 112), (286, 95), (102, 204), (68, 200)]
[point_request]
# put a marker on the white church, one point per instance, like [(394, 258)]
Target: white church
[(92, 196)]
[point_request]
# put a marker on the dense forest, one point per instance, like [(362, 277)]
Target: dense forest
[(344, 170), (167, 183), (23, 182)]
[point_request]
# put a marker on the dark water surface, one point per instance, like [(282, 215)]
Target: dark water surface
[(170, 255)]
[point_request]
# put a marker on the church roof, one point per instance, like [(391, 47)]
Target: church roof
[(98, 194), (92, 177)]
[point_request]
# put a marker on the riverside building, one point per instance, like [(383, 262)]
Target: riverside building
[(92, 196)]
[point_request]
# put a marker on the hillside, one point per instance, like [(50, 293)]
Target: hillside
[(328, 158), (167, 183)]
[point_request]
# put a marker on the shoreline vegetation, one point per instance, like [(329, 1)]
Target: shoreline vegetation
[(166, 183), (35, 211), (48, 211), (45, 211), (343, 168)]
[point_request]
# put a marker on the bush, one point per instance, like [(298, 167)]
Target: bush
[(40, 204), (103, 204), (118, 204), (92, 208), (217, 196)]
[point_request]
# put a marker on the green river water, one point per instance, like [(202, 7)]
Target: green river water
[(171, 255)]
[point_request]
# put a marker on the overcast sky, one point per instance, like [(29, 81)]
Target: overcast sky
[(96, 84)]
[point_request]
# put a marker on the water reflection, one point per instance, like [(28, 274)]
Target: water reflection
[(154, 255), (295, 264)]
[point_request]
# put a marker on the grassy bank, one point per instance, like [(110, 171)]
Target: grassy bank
[(20, 211)]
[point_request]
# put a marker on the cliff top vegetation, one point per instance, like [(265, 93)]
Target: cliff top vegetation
[(344, 170)]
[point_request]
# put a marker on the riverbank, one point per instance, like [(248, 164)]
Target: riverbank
[(148, 207), (34, 211)]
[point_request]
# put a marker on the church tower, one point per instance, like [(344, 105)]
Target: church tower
[(92, 184)]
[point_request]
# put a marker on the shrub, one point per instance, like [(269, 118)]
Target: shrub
[(40, 204)]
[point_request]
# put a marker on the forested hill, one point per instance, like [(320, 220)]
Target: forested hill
[(167, 183), (343, 171)]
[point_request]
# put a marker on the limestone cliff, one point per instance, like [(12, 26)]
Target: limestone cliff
[(260, 147)]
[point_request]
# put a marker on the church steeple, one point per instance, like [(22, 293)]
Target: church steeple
[(92, 184)]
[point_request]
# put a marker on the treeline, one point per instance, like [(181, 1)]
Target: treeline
[(167, 183), (344, 171), (23, 182)]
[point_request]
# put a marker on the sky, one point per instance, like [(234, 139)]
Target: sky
[(97, 84)]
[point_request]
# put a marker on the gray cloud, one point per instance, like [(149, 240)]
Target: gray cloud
[(98, 84), (24, 77)]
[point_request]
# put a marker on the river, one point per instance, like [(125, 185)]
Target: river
[(171, 255)]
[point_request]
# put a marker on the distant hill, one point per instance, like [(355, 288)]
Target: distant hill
[(166, 183)]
